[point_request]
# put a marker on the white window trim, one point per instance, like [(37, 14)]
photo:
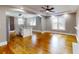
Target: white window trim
[(58, 25)]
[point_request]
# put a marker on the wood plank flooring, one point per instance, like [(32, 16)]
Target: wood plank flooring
[(39, 43)]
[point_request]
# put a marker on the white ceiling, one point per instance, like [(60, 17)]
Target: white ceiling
[(36, 9), (58, 8), (16, 14)]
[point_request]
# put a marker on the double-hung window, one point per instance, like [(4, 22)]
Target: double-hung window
[(58, 22), (31, 21), (20, 21)]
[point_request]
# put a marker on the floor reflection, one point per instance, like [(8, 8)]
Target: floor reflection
[(55, 43), (40, 43), (33, 39)]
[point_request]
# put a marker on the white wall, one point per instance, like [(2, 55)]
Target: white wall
[(77, 18), (3, 26), (16, 25), (77, 24), (70, 24), (45, 24)]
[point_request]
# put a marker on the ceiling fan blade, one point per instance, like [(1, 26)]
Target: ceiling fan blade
[(52, 8), (51, 11), (47, 7), (43, 7)]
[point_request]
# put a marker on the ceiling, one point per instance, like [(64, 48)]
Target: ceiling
[(58, 8), (36, 9)]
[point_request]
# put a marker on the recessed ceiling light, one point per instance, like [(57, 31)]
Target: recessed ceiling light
[(47, 11)]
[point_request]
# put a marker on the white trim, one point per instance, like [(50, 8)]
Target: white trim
[(37, 30), (55, 32), (41, 31), (3, 43), (66, 33)]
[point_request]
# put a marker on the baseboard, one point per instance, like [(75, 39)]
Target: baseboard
[(3, 43), (67, 33), (55, 32), (36, 30), (41, 31)]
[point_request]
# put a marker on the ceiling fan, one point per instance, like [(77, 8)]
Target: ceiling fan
[(48, 8)]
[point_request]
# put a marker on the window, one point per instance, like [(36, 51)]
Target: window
[(61, 23), (20, 21), (54, 22), (58, 22), (31, 21)]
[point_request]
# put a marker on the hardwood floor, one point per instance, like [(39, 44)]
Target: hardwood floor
[(39, 43)]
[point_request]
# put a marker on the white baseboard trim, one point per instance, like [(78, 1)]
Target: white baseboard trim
[(37, 30), (67, 33), (3, 43), (55, 32), (41, 31)]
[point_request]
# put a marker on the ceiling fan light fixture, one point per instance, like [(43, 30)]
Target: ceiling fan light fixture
[(48, 8), (47, 11)]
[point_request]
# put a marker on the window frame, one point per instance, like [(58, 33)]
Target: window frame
[(58, 26), (30, 21), (21, 22)]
